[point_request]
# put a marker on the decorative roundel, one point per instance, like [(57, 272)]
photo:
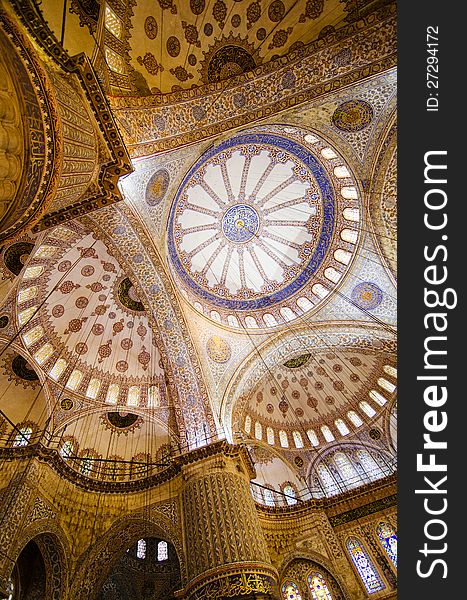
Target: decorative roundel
[(66, 404), (157, 187), (218, 349), (367, 295), (263, 227), (150, 27), (240, 223), (353, 115)]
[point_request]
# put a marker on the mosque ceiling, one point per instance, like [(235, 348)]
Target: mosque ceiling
[(245, 284), (181, 45)]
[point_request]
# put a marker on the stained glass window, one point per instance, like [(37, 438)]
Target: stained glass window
[(268, 497), (290, 591), (388, 538), (327, 480), (33, 272), (312, 437), (367, 408), (133, 395), (258, 431), (291, 494), (44, 353), (327, 433), (58, 368), (153, 396), (112, 22), (162, 551), (248, 424), (354, 418), (141, 549), (390, 371), (364, 565), (284, 439), (270, 435), (297, 438), (67, 449), (341, 426), (74, 379), (93, 388), (386, 385), (27, 294), (269, 319), (22, 437), (377, 397), (26, 315), (33, 336), (318, 587), (86, 466)]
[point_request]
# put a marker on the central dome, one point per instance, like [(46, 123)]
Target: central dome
[(252, 224)]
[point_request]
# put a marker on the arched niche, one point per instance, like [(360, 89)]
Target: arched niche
[(297, 568), (97, 562)]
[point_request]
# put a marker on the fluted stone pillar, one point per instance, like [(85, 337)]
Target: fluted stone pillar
[(226, 551)]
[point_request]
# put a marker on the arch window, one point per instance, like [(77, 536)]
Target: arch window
[(250, 322), (290, 591), (58, 369), (312, 437), (318, 587), (342, 427), (304, 304), (349, 235), (367, 409), (43, 353), (153, 396), (112, 22), (297, 438), (377, 397), (22, 437), (346, 469), (291, 494), (258, 431), (270, 435), (354, 418), (392, 371), (388, 538), (232, 320), (365, 567), (342, 256), (27, 294), (162, 551), (327, 480), (283, 439), (112, 393), (33, 336), (141, 549), (269, 320), (287, 313), (370, 466), (386, 385), (93, 388), (74, 379), (26, 315), (327, 433), (133, 395), (248, 424)]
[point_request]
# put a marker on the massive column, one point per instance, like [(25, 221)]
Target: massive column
[(226, 551)]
